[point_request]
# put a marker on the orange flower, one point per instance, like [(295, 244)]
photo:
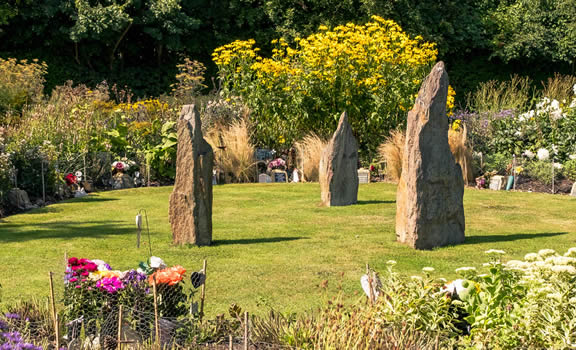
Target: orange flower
[(170, 276)]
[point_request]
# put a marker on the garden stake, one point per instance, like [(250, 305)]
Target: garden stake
[(203, 292), (65, 260), (147, 229), (53, 304), (370, 296), (43, 186), (230, 344), (119, 339), (157, 330), (246, 330), (514, 172), (552, 175)]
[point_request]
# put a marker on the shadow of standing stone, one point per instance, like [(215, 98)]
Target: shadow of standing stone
[(191, 199), (429, 209), (339, 167)]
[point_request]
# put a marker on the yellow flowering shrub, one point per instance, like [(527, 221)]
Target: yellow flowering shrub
[(21, 82), (372, 71)]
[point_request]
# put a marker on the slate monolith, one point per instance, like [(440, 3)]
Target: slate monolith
[(429, 208), (191, 199), (338, 171)]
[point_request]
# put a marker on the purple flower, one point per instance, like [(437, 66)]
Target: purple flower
[(110, 284), (12, 315), (3, 325), (14, 341)]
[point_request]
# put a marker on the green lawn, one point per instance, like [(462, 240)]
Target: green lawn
[(273, 243)]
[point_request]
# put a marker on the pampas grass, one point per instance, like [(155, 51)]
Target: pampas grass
[(392, 152), (309, 150), (461, 152), (236, 161)]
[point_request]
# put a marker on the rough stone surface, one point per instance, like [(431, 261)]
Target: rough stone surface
[(121, 180), (18, 199), (573, 192), (191, 199), (429, 208), (338, 167)]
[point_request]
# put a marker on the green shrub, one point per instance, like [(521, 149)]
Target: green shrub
[(569, 170), (541, 171), (498, 162)]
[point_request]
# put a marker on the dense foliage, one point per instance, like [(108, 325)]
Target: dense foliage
[(371, 71)]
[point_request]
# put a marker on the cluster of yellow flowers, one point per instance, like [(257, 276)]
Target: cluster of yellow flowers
[(150, 106), (450, 101), (371, 70), (363, 54)]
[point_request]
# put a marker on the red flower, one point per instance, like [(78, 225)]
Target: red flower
[(73, 261), (71, 179)]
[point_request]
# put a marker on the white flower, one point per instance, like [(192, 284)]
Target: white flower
[(546, 252), (571, 252), (456, 286), (157, 263), (528, 154), (518, 133), (428, 269), (391, 262), (572, 300), (554, 149), (531, 257), (556, 296), (495, 251), (416, 278), (572, 156), (465, 269), (558, 166), (543, 154), (574, 89), (564, 268), (101, 264)]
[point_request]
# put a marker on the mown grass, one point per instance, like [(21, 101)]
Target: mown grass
[(273, 243)]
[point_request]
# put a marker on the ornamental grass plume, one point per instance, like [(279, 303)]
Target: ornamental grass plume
[(457, 139), (309, 151), (236, 159), (392, 152)]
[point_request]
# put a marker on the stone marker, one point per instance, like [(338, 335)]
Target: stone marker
[(363, 176), (496, 182), (191, 199), (429, 208), (573, 192), (338, 167), (264, 178)]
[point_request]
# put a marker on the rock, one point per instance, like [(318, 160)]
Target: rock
[(18, 199), (573, 192), (338, 167), (121, 180), (429, 208), (191, 199)]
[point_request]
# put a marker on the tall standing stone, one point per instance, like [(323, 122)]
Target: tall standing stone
[(191, 199), (338, 167), (429, 208)]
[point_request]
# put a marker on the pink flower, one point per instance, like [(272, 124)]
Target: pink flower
[(73, 279), (78, 286)]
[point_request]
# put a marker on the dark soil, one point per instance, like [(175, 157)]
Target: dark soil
[(526, 184)]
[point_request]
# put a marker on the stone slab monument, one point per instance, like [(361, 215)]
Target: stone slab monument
[(191, 199), (338, 167), (429, 208)]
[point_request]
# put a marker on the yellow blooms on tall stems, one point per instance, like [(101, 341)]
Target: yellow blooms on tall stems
[(371, 71)]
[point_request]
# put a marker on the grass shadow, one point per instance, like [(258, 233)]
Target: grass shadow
[(374, 202), (218, 242), (63, 229), (509, 237)]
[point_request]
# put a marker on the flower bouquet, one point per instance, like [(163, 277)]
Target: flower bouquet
[(94, 291), (277, 163)]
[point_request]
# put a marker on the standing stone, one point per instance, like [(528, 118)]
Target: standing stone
[(573, 192), (429, 208), (338, 167), (191, 199)]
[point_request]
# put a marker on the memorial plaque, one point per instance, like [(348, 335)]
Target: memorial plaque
[(279, 176), (363, 176), (264, 178), (496, 182)]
